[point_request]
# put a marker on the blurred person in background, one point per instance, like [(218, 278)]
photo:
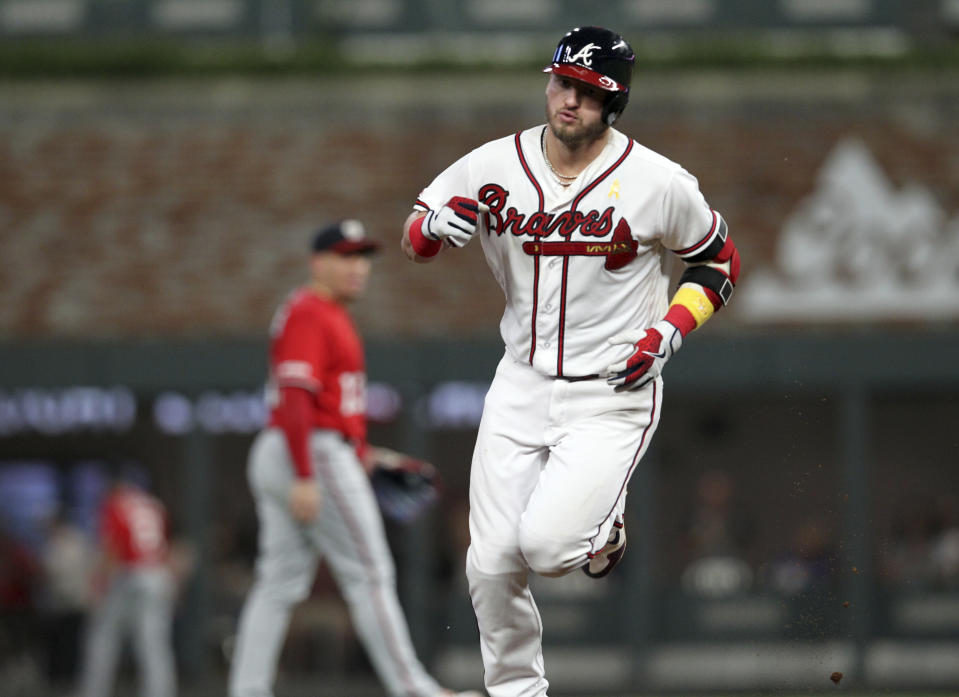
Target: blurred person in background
[(67, 561), (133, 593), (20, 575), (308, 472), (922, 550), (944, 552), (906, 559), (718, 537), (810, 563)]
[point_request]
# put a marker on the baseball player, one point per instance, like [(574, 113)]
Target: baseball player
[(578, 223), (134, 587), (308, 475)]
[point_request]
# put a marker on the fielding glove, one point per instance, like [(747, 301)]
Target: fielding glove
[(455, 222), (653, 347), (405, 486)]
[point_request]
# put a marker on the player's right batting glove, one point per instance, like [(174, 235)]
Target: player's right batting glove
[(652, 348), (455, 222)]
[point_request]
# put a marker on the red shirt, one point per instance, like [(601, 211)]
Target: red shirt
[(134, 527), (314, 345)]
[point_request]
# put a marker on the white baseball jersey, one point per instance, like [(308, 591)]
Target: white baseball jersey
[(582, 263)]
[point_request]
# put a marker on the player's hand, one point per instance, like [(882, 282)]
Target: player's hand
[(455, 223), (305, 500), (652, 348)]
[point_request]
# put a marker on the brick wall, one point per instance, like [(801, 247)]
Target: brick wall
[(185, 208)]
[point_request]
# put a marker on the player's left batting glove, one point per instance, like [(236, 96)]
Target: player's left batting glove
[(652, 348), (454, 223)]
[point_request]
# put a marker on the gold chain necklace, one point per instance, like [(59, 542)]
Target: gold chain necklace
[(564, 179)]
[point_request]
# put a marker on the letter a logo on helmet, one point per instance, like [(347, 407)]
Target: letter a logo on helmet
[(600, 58), (583, 55)]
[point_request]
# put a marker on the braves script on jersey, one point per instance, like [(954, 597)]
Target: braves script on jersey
[(315, 346), (590, 256)]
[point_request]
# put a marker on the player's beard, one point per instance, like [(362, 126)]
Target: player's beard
[(575, 135)]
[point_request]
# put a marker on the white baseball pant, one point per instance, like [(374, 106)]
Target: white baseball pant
[(349, 534), (550, 468)]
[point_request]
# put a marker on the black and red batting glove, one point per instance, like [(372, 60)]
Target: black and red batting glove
[(455, 223), (651, 349)]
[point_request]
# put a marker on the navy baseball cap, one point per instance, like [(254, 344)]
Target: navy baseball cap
[(344, 237)]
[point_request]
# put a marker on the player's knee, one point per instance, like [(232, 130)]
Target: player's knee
[(547, 555), (483, 561), (288, 591), (286, 583), (368, 582)]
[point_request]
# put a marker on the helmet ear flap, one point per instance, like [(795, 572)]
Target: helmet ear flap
[(614, 107)]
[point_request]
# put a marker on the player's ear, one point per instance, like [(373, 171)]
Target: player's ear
[(317, 265)]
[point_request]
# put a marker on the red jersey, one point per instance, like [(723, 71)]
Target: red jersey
[(134, 527), (314, 345)]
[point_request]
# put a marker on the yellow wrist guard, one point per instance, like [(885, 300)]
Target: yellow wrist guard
[(696, 302)]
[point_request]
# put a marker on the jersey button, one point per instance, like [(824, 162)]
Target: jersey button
[(549, 306), (545, 344)]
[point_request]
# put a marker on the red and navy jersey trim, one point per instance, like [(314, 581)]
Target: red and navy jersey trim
[(601, 177), (708, 247), (529, 173), (541, 207), (562, 319)]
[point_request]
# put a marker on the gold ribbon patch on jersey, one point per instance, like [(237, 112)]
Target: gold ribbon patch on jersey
[(614, 189)]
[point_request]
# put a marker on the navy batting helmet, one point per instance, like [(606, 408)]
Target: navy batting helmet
[(601, 58)]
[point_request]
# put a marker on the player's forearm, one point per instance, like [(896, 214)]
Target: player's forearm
[(689, 309), (704, 288), (293, 419), (407, 248), (415, 246)]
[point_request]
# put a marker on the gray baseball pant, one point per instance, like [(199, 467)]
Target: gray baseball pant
[(349, 535)]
